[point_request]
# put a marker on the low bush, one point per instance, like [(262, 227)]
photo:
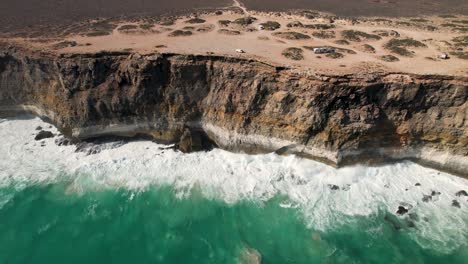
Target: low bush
[(195, 20), (271, 25), (180, 33), (291, 35), (399, 46), (389, 58), (354, 35), (293, 53), (324, 34)]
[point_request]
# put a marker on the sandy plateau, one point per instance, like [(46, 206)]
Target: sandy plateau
[(411, 45)]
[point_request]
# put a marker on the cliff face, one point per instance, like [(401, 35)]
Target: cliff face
[(246, 105)]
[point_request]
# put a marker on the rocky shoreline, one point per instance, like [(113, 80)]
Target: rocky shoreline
[(244, 105)]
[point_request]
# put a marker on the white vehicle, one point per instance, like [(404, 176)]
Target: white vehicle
[(323, 50), (240, 51), (444, 56)]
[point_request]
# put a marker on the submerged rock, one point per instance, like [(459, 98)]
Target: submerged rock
[(333, 187), (91, 148), (426, 198), (455, 203), (461, 193), (63, 141), (250, 256), (43, 135), (417, 184), (401, 210), (38, 128)]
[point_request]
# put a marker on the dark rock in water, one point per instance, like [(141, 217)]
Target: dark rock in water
[(406, 205), (347, 187), (193, 140), (333, 187), (96, 147), (401, 210), (434, 193), (63, 141), (387, 186), (426, 198), (417, 184), (38, 128), (44, 134), (461, 193), (455, 203)]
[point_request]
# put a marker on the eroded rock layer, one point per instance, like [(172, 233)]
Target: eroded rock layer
[(245, 105)]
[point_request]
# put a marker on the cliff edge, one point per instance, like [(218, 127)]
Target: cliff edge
[(246, 105)]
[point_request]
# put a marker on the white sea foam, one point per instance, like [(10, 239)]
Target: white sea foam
[(233, 177)]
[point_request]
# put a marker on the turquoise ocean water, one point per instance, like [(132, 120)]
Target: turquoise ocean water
[(140, 203)]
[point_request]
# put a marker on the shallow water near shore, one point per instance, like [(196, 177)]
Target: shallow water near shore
[(140, 202)]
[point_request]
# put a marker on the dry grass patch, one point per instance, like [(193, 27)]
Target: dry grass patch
[(293, 53), (291, 35)]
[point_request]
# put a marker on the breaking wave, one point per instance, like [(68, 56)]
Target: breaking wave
[(327, 198)]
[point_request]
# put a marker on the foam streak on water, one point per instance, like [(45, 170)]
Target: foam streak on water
[(229, 177)]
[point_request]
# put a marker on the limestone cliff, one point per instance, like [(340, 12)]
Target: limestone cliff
[(245, 105)]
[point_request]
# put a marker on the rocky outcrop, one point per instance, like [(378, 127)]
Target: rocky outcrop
[(245, 105)]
